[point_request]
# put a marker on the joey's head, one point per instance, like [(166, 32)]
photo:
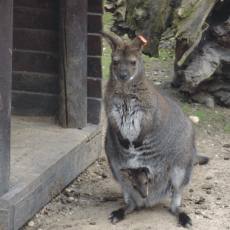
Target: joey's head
[(138, 178), (127, 63)]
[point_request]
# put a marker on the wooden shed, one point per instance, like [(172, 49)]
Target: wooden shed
[(50, 99)]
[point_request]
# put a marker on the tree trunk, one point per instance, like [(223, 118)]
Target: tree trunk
[(202, 62)]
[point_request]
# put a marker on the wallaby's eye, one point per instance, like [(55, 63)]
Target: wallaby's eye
[(115, 62), (133, 62)]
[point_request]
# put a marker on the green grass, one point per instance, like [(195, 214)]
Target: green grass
[(204, 114), (107, 21), (217, 119), (106, 57), (227, 127), (164, 55)]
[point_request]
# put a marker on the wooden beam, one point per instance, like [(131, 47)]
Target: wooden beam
[(6, 27), (73, 48)]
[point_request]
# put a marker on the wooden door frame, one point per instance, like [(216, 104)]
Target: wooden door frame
[(73, 63), (6, 31)]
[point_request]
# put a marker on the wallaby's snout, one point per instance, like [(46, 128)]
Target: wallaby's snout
[(123, 74)]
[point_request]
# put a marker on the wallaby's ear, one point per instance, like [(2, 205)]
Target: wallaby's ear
[(113, 40), (139, 42), (146, 171)]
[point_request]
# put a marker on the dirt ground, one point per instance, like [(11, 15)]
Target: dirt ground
[(88, 201)]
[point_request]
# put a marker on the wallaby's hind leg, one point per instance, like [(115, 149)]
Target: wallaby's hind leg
[(183, 218), (175, 202), (178, 177)]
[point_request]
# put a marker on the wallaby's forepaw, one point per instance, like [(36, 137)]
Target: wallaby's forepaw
[(184, 219), (117, 216)]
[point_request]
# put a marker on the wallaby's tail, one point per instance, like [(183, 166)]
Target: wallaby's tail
[(201, 160)]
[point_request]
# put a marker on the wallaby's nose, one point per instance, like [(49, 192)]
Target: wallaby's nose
[(123, 76)]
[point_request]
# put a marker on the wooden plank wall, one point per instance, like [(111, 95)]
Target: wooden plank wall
[(94, 70), (6, 10), (35, 57)]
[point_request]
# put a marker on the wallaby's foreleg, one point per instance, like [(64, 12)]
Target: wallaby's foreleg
[(120, 214), (177, 185)]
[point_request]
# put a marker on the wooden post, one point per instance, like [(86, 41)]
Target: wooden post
[(6, 26), (73, 50)]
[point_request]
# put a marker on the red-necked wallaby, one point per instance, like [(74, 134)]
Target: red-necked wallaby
[(146, 130)]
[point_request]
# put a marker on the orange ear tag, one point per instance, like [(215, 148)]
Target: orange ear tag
[(144, 40)]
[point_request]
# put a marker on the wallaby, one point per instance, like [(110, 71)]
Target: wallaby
[(138, 179), (145, 130)]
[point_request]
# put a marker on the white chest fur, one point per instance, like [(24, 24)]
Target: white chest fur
[(128, 117)]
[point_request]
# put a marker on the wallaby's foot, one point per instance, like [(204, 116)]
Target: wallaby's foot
[(117, 215), (201, 160), (184, 220)]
